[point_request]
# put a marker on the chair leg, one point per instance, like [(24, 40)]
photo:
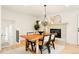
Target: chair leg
[(32, 46), (27, 45), (40, 47), (53, 45), (35, 49), (48, 47)]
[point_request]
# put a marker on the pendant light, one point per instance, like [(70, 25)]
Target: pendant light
[(45, 22)]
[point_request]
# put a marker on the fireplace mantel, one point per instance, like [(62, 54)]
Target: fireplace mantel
[(58, 24)]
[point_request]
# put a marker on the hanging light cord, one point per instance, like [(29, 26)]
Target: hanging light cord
[(45, 12)]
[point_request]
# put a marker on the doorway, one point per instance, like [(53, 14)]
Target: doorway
[(8, 33)]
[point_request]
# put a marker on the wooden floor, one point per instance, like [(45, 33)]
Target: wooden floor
[(17, 45), (68, 49)]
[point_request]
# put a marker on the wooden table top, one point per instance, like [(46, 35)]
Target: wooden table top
[(32, 36)]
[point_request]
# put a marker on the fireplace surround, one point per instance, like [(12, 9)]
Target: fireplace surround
[(57, 31)]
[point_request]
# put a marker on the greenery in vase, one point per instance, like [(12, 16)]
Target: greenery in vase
[(37, 26)]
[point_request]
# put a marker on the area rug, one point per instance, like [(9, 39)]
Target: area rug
[(21, 50)]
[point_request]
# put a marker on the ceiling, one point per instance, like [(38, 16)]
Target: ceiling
[(37, 10)]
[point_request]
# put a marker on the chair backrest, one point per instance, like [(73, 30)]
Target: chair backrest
[(30, 33), (52, 36), (46, 39)]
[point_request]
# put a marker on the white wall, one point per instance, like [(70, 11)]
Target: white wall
[(0, 27), (70, 17), (24, 23)]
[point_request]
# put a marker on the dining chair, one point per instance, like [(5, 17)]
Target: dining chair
[(31, 42), (45, 43)]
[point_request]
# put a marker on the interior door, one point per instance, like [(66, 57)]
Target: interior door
[(7, 36)]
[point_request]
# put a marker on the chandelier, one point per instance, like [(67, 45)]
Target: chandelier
[(45, 22)]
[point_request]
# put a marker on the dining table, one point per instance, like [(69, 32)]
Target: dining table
[(33, 37)]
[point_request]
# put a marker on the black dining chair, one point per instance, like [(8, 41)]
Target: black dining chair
[(31, 42), (45, 43)]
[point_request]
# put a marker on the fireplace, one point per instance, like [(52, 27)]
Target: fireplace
[(57, 31)]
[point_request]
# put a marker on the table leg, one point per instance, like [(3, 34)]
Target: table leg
[(37, 47), (27, 44)]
